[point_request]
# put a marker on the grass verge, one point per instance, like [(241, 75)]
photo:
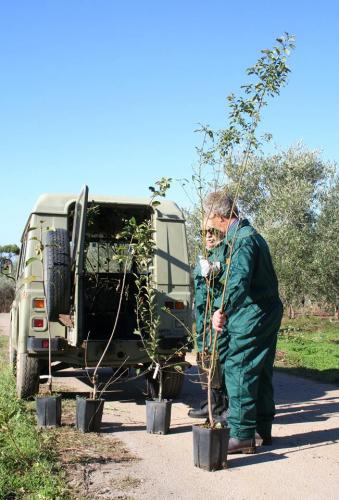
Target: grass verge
[(309, 347), (28, 466)]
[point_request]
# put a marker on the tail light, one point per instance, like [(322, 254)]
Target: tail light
[(39, 304), (38, 323)]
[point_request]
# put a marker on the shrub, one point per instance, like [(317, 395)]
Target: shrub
[(7, 292)]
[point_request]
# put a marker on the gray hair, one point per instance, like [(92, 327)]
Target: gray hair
[(221, 204)]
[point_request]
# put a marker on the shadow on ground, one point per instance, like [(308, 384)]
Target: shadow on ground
[(329, 376), (298, 400)]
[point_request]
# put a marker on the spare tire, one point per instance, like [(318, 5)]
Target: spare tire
[(57, 270)]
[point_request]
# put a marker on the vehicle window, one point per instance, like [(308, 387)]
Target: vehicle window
[(22, 258)]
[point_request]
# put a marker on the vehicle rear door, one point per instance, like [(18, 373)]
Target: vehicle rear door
[(77, 261)]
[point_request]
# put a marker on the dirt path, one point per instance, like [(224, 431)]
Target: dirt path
[(303, 463), (4, 323)]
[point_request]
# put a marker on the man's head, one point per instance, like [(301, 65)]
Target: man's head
[(219, 210)]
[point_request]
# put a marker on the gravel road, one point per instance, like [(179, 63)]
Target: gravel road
[(303, 462)]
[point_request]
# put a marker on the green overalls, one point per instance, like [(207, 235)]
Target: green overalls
[(208, 290), (254, 313)]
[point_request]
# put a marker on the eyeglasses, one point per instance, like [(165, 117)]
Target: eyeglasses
[(212, 231)]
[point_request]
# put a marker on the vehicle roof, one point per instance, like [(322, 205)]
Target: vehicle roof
[(53, 203)]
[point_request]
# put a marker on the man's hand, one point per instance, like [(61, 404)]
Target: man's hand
[(218, 320), (204, 266)]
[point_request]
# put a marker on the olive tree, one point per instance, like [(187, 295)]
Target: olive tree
[(282, 194), (325, 262), (7, 282)]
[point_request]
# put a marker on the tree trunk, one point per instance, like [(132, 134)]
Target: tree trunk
[(336, 311)]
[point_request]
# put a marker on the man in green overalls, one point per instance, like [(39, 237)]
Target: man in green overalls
[(251, 310), (206, 288)]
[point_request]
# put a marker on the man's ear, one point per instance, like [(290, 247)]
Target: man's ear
[(223, 222)]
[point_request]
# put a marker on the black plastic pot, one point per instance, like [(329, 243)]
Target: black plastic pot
[(89, 414), (210, 447), (158, 416), (48, 411)]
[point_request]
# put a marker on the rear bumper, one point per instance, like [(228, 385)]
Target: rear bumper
[(126, 352), (36, 344)]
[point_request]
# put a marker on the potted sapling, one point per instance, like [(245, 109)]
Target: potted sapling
[(89, 410), (232, 148), (158, 409)]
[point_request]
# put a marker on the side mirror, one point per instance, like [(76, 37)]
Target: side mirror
[(6, 266)]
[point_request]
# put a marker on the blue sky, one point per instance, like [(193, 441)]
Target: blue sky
[(109, 93)]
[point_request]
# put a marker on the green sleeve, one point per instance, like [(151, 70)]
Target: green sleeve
[(240, 275)]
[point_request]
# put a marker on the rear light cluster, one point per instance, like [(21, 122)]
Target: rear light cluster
[(175, 305), (39, 323)]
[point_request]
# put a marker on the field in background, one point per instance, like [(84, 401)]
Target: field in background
[(309, 347)]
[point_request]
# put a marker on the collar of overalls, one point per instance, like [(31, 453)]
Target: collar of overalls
[(234, 228)]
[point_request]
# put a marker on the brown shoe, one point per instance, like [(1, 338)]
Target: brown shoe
[(246, 446), (262, 440)]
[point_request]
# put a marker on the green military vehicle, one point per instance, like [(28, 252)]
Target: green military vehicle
[(78, 285)]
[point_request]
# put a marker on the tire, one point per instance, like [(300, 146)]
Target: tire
[(11, 354), (11, 349), (172, 384), (57, 273), (27, 376)]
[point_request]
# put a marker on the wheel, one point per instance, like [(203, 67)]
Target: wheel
[(57, 273), (172, 384), (27, 376), (11, 349), (11, 354)]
